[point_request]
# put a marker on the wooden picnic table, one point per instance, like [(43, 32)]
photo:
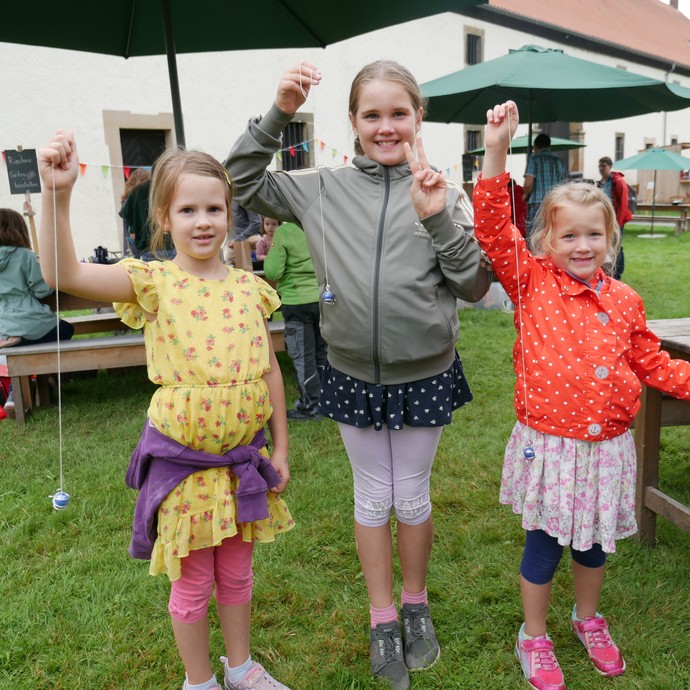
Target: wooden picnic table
[(660, 410), (679, 215)]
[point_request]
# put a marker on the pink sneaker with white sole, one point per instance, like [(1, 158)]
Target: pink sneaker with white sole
[(594, 634), (538, 661)]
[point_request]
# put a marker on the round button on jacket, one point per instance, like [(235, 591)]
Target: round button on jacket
[(594, 429), (603, 317), (601, 372)]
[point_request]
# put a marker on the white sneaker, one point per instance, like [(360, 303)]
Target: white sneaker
[(256, 678)]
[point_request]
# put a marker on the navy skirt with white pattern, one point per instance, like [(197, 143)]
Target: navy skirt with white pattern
[(429, 402)]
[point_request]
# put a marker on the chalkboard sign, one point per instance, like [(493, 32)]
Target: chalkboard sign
[(22, 170), (467, 166)]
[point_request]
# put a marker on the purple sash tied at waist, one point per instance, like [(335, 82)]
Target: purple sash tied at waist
[(159, 464)]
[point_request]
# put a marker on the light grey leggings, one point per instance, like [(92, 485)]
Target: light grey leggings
[(391, 469)]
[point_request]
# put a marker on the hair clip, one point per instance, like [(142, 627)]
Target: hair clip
[(227, 177)]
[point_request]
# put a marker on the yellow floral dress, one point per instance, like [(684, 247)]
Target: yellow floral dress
[(207, 352)]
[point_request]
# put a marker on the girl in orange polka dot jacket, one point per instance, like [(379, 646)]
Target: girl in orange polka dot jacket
[(582, 351)]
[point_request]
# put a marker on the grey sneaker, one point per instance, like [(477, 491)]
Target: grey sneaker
[(421, 646), (304, 415), (386, 656)]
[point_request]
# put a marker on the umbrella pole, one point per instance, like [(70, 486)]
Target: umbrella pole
[(653, 202), (529, 130), (172, 71)]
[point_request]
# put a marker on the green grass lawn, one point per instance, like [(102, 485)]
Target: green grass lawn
[(77, 612)]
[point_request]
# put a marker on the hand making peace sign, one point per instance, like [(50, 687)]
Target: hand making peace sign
[(428, 191)]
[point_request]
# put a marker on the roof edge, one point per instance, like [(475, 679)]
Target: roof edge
[(511, 20)]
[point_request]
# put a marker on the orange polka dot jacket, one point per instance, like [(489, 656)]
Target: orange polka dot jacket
[(582, 350)]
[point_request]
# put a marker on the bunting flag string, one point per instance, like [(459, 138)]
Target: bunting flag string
[(291, 150)]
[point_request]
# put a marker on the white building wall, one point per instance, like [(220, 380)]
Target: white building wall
[(45, 89)]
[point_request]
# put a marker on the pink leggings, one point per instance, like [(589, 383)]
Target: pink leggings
[(229, 566)]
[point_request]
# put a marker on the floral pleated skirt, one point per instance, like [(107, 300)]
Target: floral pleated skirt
[(580, 492)]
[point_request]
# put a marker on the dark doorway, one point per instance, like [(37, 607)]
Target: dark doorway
[(141, 147)]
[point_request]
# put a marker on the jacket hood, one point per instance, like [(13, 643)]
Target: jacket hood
[(5, 256)]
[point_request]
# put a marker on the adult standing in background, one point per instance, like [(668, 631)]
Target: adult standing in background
[(135, 214), (136, 177), (288, 263), (544, 171), (616, 188), (246, 227), (246, 224)]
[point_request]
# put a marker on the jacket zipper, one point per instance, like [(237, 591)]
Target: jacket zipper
[(377, 275)]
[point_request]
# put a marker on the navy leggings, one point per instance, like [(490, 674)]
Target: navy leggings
[(543, 554), (65, 328)]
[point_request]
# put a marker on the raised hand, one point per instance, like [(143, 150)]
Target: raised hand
[(58, 162), (429, 187), (501, 122), (294, 86)]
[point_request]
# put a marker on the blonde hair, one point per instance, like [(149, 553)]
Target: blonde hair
[(136, 177), (386, 70), (582, 194), (166, 172)]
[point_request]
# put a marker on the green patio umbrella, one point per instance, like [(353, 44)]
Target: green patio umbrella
[(132, 28), (653, 159), (520, 145), (548, 86)]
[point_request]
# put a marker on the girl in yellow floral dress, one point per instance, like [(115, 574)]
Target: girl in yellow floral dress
[(208, 489)]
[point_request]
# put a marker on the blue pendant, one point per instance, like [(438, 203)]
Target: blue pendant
[(529, 453), (60, 500), (328, 297)]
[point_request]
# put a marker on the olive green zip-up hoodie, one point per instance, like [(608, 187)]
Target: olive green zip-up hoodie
[(395, 277)]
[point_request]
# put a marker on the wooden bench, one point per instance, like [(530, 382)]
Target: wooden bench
[(85, 354), (679, 223), (103, 322), (72, 302), (102, 318)]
